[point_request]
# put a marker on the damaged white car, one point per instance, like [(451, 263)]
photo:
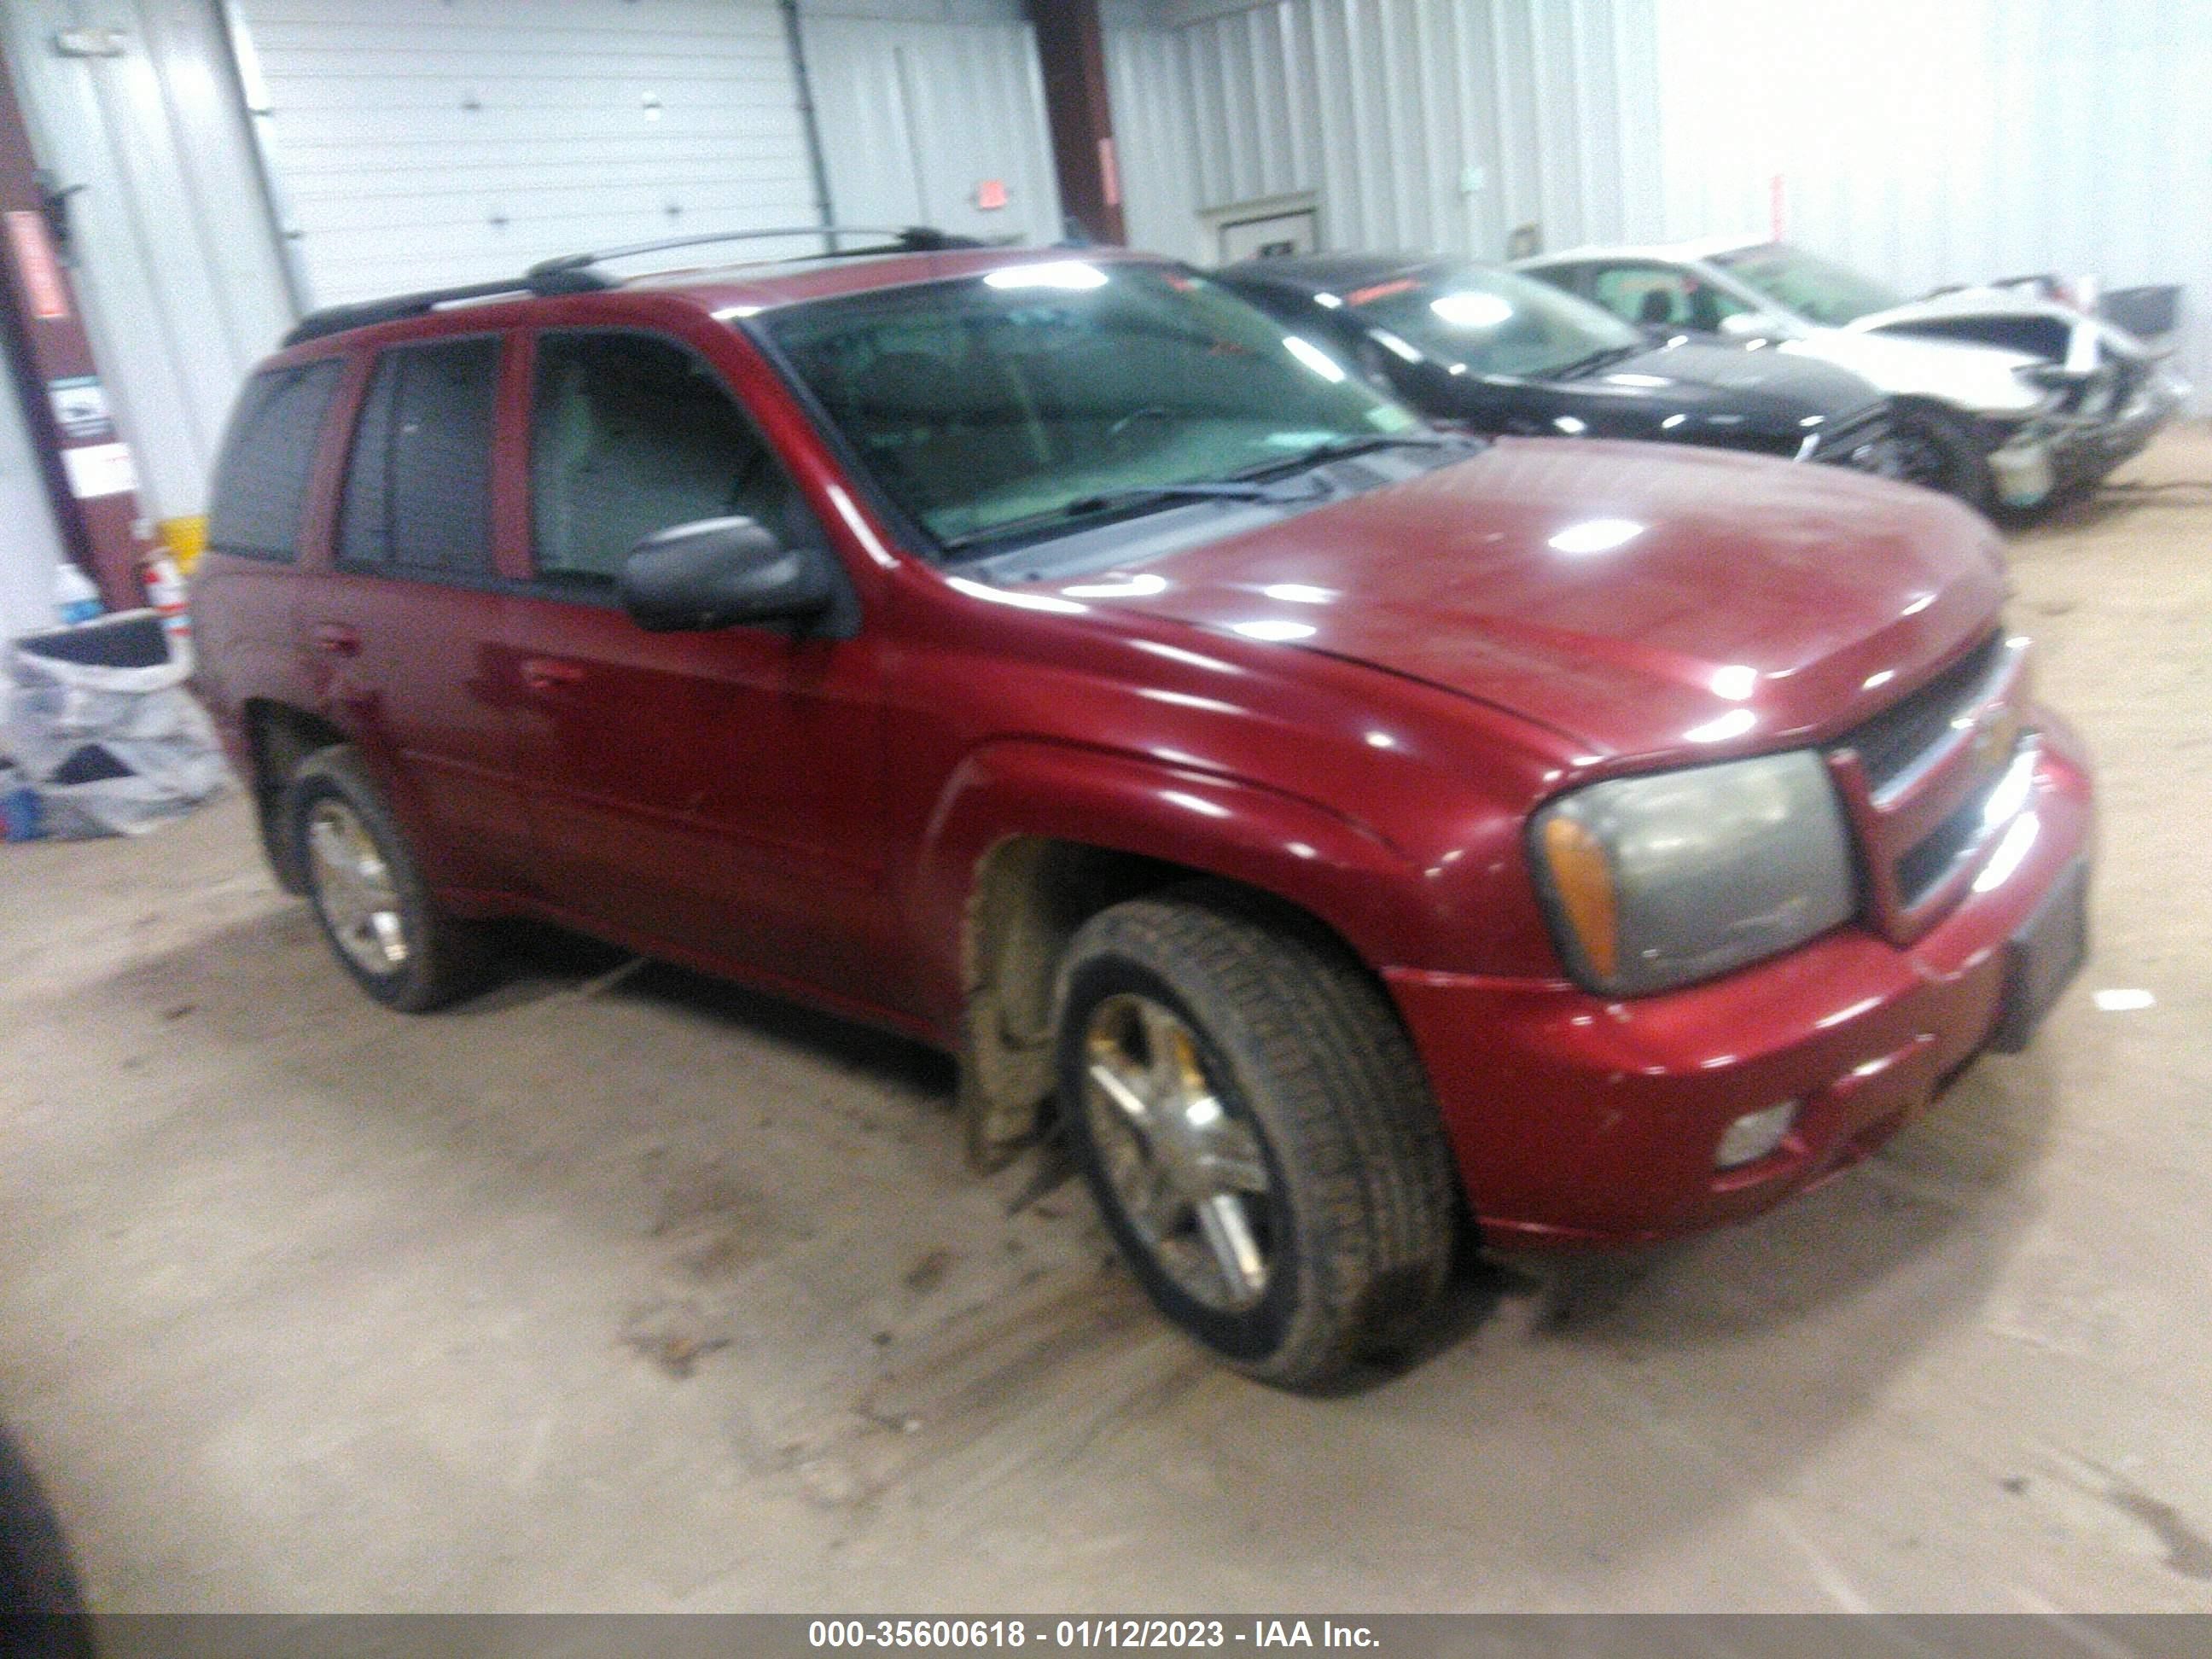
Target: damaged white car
[(2004, 397)]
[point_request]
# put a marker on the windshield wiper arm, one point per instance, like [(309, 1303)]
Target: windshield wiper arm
[(1229, 489), (1359, 443), (1590, 360)]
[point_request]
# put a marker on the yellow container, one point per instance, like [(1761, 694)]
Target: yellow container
[(186, 540)]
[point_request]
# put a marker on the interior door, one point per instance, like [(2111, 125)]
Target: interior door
[(712, 792)]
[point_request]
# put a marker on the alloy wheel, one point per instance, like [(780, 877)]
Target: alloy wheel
[(1185, 1167), (355, 889)]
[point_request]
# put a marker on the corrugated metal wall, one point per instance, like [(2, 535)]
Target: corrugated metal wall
[(1942, 143), (920, 102), (425, 142), (1415, 123), (177, 261)]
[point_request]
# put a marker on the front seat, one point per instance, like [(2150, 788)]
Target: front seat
[(1656, 309)]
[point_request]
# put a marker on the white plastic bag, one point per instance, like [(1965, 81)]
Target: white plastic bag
[(99, 717)]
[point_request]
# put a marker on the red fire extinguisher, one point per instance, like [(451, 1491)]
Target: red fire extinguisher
[(165, 592)]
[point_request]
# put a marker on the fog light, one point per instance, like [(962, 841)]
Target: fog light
[(1754, 1134)]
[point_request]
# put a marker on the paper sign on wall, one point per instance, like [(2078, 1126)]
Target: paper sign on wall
[(990, 195), (80, 405), (99, 470)]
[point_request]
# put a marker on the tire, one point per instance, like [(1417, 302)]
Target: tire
[(1939, 452), (368, 894), (41, 1611), (1274, 1076)]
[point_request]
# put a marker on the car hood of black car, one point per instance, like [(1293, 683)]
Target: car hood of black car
[(1696, 377)]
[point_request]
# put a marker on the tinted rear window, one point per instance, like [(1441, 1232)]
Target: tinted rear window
[(260, 490), (418, 490)]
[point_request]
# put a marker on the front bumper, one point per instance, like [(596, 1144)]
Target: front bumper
[(2085, 449), (2066, 451), (1581, 1120)]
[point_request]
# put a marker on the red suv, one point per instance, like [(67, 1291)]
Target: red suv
[(1339, 830)]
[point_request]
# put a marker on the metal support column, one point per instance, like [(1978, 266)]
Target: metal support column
[(1073, 57), (90, 475)]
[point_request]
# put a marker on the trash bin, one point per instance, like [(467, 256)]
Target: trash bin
[(102, 728)]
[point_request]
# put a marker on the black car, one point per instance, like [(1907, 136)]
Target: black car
[(1502, 353)]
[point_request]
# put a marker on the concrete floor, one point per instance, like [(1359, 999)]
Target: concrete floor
[(638, 1292)]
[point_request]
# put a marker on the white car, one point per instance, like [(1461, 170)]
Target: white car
[(2003, 397)]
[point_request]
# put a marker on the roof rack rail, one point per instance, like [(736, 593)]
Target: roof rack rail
[(573, 272), (337, 320), (576, 273)]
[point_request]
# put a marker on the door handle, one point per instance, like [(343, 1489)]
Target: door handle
[(336, 640), (549, 673)]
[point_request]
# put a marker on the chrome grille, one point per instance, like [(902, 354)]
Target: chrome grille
[(1918, 777), (1895, 743)]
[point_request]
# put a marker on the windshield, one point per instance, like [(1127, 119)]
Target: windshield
[(1813, 288), (1000, 403), (1491, 322)]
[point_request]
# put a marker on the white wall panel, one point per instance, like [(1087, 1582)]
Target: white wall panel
[(1416, 124), (177, 264), (1932, 144), (424, 141), (920, 102), (30, 542)]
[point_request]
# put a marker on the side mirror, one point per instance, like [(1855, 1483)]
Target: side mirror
[(717, 573), (1757, 325)]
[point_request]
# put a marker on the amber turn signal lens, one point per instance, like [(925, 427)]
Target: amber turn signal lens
[(1582, 877)]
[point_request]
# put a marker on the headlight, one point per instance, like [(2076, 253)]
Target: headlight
[(1657, 881)]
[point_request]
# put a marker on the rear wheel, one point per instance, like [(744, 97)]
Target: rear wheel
[(386, 931), (1257, 1133)]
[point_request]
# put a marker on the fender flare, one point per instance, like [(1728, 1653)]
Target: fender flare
[(1351, 879)]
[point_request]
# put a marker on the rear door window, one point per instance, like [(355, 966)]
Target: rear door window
[(418, 488), (261, 478)]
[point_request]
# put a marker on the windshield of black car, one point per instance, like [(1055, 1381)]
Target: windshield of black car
[(1814, 289), (1491, 322), (1006, 400)]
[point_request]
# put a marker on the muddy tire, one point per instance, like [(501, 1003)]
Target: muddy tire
[(367, 892), (1257, 1129), (41, 1611)]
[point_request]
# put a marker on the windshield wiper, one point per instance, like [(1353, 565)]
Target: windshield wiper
[(1231, 489), (1100, 501), (1360, 443), (1594, 360)]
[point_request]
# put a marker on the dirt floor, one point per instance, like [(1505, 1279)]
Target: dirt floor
[(621, 1290)]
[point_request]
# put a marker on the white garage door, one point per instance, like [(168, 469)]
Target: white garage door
[(419, 143), (932, 120)]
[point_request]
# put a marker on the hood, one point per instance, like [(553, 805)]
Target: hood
[(2014, 319), (1698, 377), (1984, 378), (1636, 600)]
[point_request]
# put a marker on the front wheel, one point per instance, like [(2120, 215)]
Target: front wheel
[(1256, 1130), (1936, 451)]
